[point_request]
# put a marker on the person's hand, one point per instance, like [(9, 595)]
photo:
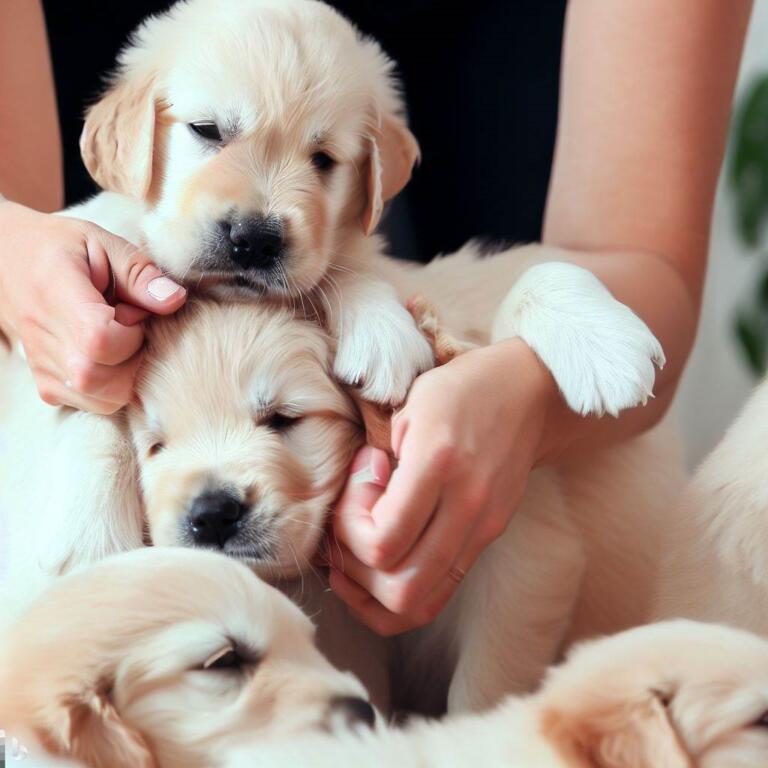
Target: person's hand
[(466, 440), (75, 296)]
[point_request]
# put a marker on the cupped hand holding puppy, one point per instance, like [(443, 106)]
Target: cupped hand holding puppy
[(58, 279), (466, 440)]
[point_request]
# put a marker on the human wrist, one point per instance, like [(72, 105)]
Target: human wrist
[(527, 374)]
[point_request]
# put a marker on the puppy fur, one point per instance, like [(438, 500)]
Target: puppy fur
[(670, 695), (219, 373), (110, 666), (715, 543)]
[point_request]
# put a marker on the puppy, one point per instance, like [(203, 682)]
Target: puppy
[(160, 658), (242, 133), (670, 695), (241, 444), (250, 146), (716, 562)]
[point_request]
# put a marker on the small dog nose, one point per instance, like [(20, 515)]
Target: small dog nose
[(214, 517), (353, 711), (257, 243)]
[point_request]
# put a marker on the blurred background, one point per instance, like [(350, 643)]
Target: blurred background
[(732, 344)]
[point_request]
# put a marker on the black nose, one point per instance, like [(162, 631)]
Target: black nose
[(215, 516), (257, 243), (354, 711)]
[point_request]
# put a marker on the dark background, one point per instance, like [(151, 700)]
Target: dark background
[(481, 82)]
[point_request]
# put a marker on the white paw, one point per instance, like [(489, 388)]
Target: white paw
[(381, 351), (600, 353)]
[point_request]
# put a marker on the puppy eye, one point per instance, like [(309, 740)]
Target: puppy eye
[(323, 162), (155, 448), (763, 721), (225, 658), (206, 129), (280, 422), (228, 658)]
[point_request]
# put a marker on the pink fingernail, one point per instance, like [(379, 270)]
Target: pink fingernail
[(162, 288), (365, 469)]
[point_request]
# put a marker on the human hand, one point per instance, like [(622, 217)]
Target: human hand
[(57, 276), (466, 440)]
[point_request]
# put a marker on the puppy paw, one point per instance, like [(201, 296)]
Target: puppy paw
[(600, 353), (381, 352)]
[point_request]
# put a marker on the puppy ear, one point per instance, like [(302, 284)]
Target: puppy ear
[(90, 730), (118, 137), (394, 152), (626, 735)]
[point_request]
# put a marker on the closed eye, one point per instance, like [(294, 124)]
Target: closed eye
[(206, 129), (280, 422), (762, 722), (229, 658)]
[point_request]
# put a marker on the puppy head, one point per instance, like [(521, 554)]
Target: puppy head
[(672, 695), (162, 657), (243, 437), (263, 134)]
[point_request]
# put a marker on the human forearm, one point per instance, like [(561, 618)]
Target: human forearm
[(30, 150)]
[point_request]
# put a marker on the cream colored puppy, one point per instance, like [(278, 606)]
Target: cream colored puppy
[(716, 543), (241, 444), (670, 695), (250, 145), (161, 658)]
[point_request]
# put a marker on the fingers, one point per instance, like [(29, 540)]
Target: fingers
[(100, 338), (368, 476), (53, 392), (402, 513), (136, 279)]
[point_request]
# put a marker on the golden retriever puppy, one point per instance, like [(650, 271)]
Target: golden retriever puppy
[(716, 543), (670, 695), (241, 443), (250, 146), (161, 658)]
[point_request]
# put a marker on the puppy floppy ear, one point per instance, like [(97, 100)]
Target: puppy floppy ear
[(118, 137), (394, 152), (624, 735), (89, 729)]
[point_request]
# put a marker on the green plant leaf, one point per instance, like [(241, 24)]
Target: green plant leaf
[(752, 335), (749, 162)]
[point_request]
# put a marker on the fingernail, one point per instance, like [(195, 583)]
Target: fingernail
[(162, 288), (365, 469)]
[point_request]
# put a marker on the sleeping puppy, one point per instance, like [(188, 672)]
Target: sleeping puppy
[(670, 695), (241, 443), (160, 658)]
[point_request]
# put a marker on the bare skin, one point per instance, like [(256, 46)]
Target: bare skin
[(645, 101)]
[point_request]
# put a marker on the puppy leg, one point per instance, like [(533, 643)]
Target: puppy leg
[(516, 604), (379, 347), (600, 353)]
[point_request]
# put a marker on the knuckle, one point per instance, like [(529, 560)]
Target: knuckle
[(400, 599), (94, 340), (492, 529), (48, 393), (445, 456), (83, 376)]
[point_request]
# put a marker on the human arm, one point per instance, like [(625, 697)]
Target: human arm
[(645, 101), (54, 271)]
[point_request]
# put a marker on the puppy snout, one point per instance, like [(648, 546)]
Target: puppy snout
[(215, 517), (256, 242), (351, 711)]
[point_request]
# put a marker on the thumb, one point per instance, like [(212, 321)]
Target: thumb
[(137, 280)]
